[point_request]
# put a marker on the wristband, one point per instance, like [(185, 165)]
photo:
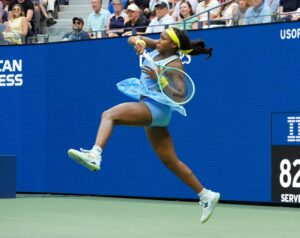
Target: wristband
[(163, 82), (139, 41)]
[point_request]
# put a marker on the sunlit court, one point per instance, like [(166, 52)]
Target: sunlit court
[(82, 216), (157, 119)]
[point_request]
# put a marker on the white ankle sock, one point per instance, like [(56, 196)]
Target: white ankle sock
[(203, 193), (97, 149)]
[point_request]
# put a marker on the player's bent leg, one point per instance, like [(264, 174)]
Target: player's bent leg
[(130, 114), (122, 114), (162, 144)]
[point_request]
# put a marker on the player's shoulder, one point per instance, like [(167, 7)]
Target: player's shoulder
[(176, 63)]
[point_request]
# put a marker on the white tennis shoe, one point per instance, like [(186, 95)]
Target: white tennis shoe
[(209, 202), (88, 158)]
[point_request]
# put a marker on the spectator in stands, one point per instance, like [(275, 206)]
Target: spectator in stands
[(5, 9), (186, 11), (142, 4), (289, 10), (27, 6), (98, 21), (172, 4), (40, 18), (207, 5), (136, 21), (243, 6), (49, 5), (227, 16), (117, 20), (152, 15), (257, 14), (17, 25), (176, 11), (77, 33), (162, 19), (111, 8), (273, 5), (1, 11), (153, 3)]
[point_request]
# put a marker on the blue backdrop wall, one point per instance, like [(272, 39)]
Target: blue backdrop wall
[(226, 138)]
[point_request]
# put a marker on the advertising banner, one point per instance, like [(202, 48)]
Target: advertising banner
[(236, 137)]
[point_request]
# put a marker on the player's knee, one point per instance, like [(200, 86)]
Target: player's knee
[(111, 115), (168, 163), (165, 158), (107, 115)]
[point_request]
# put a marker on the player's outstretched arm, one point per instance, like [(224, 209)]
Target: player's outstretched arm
[(150, 43)]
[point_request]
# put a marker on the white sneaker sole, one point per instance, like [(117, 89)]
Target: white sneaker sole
[(215, 202), (75, 155)]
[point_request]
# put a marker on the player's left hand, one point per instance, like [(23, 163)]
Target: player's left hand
[(151, 72)]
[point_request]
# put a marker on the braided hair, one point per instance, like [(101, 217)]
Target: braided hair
[(197, 46)]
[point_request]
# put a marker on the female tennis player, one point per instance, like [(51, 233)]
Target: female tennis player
[(151, 113)]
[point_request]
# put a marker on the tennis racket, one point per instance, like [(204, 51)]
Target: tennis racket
[(176, 85)]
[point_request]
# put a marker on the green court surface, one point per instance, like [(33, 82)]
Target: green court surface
[(32, 216)]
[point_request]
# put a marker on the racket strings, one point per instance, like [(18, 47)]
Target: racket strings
[(176, 85)]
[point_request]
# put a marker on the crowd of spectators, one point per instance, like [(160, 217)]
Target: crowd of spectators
[(127, 17)]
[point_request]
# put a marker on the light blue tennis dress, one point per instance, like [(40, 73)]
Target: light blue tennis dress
[(146, 88)]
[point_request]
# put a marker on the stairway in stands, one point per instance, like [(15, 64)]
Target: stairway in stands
[(78, 8)]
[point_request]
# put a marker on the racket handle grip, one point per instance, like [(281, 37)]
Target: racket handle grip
[(147, 56)]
